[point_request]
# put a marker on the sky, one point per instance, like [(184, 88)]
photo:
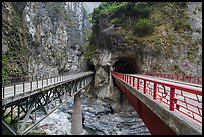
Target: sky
[(91, 5)]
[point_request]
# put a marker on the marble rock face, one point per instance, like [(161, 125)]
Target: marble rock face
[(57, 33)]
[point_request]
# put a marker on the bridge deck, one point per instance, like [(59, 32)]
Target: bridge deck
[(13, 90), (168, 99)]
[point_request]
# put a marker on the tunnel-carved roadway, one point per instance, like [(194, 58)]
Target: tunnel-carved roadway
[(125, 65)]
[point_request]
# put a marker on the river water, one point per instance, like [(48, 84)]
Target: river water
[(99, 119)]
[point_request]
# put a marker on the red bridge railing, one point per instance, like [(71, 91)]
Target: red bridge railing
[(180, 77), (184, 99)]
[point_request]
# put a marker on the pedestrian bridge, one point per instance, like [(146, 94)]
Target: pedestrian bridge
[(22, 102), (165, 106)]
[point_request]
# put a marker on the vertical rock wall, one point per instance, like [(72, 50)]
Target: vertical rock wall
[(43, 38), (57, 31)]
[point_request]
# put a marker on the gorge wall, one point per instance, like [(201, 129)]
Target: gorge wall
[(43, 38)]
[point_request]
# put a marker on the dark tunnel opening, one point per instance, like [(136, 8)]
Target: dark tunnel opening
[(125, 65), (90, 66)]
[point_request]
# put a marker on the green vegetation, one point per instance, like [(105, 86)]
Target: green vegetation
[(89, 51), (141, 10), (14, 34), (181, 24), (191, 52), (143, 27), (176, 69), (89, 36), (106, 7), (116, 21), (121, 11), (4, 70)]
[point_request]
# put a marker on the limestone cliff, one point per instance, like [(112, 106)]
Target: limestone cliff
[(43, 38)]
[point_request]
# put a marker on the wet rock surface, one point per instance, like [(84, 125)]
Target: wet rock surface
[(99, 119)]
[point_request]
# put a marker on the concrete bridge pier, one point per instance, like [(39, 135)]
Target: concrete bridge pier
[(76, 125)]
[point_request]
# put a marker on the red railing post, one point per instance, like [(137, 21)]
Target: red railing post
[(133, 82), (198, 80), (144, 87), (155, 91), (130, 79), (172, 94), (138, 83)]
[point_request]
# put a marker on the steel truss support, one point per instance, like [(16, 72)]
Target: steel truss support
[(20, 116)]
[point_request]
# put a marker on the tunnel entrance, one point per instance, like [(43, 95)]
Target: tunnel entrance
[(90, 66), (125, 65)]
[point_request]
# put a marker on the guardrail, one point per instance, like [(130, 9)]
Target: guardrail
[(184, 99), (180, 77), (25, 86), (20, 80)]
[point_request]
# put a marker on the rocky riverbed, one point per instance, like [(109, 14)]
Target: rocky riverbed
[(99, 119)]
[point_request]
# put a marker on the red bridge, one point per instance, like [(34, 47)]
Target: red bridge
[(166, 106)]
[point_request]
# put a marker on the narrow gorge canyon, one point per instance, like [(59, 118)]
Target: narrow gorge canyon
[(43, 39)]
